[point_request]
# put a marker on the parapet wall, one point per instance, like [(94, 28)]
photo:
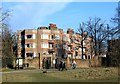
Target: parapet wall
[(89, 63), (81, 63)]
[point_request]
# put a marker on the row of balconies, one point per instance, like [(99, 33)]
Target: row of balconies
[(65, 47)]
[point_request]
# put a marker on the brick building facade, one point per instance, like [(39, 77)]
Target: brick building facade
[(50, 44)]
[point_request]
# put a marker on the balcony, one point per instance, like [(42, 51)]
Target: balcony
[(51, 41), (51, 50), (69, 50), (79, 45), (69, 44), (76, 57)]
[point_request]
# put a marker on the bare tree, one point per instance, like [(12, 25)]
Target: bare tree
[(82, 31), (8, 39), (113, 44), (4, 15), (99, 30), (7, 54), (116, 30)]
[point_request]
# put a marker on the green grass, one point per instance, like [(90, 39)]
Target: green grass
[(8, 69), (44, 77), (16, 78), (91, 74), (76, 75)]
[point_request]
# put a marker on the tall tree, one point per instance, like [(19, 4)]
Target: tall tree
[(113, 44), (8, 40), (6, 46), (82, 31), (116, 20), (99, 30)]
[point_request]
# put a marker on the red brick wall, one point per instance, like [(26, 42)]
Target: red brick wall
[(88, 63), (33, 62)]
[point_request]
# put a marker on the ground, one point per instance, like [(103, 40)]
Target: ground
[(73, 75)]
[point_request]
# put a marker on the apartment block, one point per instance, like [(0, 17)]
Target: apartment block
[(75, 48), (51, 44), (44, 42)]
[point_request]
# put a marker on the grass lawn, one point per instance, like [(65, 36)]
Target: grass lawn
[(7, 69), (76, 75)]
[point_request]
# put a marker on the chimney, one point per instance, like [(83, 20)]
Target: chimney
[(52, 27), (70, 31)]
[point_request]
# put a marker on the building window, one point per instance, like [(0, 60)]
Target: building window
[(83, 49), (29, 54), (89, 49), (34, 36), (57, 37), (69, 48), (28, 45), (44, 36), (64, 47), (29, 36), (84, 43), (84, 57), (76, 53), (69, 40), (57, 45), (75, 48), (89, 56), (34, 54), (64, 38), (52, 37), (44, 46), (51, 46), (69, 55), (34, 45), (64, 56)]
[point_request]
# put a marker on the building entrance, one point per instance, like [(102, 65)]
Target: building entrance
[(46, 63)]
